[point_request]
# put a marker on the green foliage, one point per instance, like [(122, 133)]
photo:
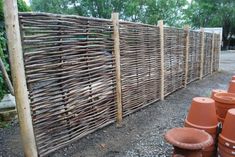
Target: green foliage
[(22, 6), (214, 13), (147, 11)]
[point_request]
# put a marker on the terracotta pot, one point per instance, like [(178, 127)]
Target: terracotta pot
[(225, 151), (188, 141), (212, 130), (209, 151), (215, 91), (233, 77), (231, 88), (202, 112), (224, 102), (228, 130), (178, 155), (220, 119), (226, 142)]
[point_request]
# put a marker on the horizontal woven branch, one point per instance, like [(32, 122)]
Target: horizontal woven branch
[(70, 71)]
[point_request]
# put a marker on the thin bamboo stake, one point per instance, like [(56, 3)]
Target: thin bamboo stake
[(6, 77), (18, 77), (115, 19), (160, 24), (186, 29), (212, 52), (202, 53)]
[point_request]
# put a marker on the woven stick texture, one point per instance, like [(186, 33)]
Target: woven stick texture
[(207, 53), (174, 60), (216, 52), (140, 65), (70, 77), (70, 71), (194, 56)]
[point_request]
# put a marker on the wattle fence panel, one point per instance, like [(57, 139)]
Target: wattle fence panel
[(70, 76), (71, 71), (174, 59), (140, 65), (194, 56)]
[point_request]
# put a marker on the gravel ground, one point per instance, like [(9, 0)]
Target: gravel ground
[(142, 132)]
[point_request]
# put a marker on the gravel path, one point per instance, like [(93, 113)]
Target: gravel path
[(142, 132)]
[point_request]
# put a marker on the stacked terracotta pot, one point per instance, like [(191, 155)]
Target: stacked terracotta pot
[(224, 100), (200, 135), (202, 115), (226, 144)]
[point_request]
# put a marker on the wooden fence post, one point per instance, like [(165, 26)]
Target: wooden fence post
[(115, 19), (202, 53), (212, 52), (6, 77), (186, 29), (18, 77), (161, 29)]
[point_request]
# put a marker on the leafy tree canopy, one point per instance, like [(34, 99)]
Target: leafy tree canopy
[(147, 11)]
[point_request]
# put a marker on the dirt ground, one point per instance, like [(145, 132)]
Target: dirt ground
[(142, 132)]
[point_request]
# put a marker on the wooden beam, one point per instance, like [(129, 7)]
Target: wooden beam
[(202, 53), (212, 52), (186, 30), (161, 29), (115, 19), (18, 77), (6, 77)]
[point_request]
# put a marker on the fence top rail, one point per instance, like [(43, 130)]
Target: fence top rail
[(61, 16), (98, 19), (137, 23)]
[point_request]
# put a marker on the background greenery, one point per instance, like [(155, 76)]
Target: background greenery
[(3, 44), (197, 13)]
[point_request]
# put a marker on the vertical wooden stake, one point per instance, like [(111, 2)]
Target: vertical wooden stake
[(115, 19), (212, 52), (6, 77), (18, 77), (186, 29), (161, 29), (202, 53)]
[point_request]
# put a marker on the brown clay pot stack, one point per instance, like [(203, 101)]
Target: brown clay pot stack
[(226, 146), (188, 142), (215, 91), (223, 102), (233, 77), (199, 137), (202, 115), (231, 88)]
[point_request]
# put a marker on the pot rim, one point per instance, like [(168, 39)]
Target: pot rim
[(196, 146), (226, 139), (225, 98), (201, 127), (226, 149)]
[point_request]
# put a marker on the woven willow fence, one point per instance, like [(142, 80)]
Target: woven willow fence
[(84, 73)]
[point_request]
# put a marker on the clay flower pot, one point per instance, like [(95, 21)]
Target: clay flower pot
[(224, 102), (209, 151), (226, 142), (220, 119), (231, 88), (202, 115), (215, 91), (178, 155), (228, 130), (225, 151), (233, 77), (188, 141)]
